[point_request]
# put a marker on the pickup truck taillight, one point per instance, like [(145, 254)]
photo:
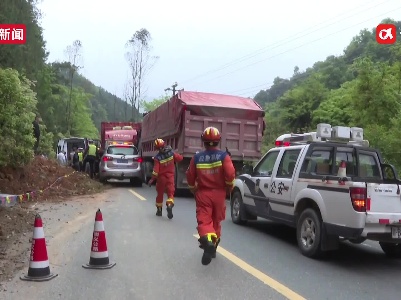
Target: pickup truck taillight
[(358, 198), (107, 158)]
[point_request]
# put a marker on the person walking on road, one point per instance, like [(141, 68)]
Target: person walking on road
[(210, 176), (163, 174), (90, 156)]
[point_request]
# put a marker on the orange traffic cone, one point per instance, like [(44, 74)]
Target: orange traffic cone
[(99, 257), (342, 170), (39, 269)]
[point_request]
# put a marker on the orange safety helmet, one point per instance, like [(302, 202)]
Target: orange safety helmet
[(211, 134), (159, 143)]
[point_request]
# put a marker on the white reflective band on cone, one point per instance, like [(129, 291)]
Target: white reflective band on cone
[(39, 264), (99, 226), (38, 233), (99, 254)]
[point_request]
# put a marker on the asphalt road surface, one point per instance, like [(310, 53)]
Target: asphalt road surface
[(159, 258)]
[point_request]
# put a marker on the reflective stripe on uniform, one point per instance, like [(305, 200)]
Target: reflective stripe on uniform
[(166, 160), (209, 165), (154, 173), (230, 183)]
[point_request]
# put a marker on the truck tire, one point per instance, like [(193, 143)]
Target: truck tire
[(309, 233), (391, 250), (237, 209), (178, 191)]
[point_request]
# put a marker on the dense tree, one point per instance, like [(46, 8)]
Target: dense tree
[(68, 103), (17, 102), (155, 103)]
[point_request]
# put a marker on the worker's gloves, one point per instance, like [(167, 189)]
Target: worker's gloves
[(151, 182)]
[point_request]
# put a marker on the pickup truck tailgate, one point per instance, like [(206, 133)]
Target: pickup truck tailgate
[(383, 198)]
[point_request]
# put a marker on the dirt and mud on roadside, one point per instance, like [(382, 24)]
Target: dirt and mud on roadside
[(60, 188), (16, 223), (57, 182)]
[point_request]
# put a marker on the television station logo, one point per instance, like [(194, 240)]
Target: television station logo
[(386, 34), (12, 34)]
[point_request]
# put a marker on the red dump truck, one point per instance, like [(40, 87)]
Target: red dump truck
[(181, 121), (119, 133)]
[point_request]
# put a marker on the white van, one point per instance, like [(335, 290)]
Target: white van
[(66, 145)]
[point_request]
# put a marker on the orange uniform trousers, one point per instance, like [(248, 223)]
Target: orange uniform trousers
[(210, 210), (165, 184)]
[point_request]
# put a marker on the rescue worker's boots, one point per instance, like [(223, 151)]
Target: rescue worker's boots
[(159, 212), (209, 249), (169, 209), (217, 244)]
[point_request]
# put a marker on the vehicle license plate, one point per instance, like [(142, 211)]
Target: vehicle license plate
[(122, 161), (396, 232)]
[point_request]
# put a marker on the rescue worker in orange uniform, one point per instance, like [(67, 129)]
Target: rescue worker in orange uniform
[(163, 172), (210, 175)]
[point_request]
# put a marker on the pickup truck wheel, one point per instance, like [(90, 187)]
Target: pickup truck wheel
[(309, 231), (391, 250), (237, 208)]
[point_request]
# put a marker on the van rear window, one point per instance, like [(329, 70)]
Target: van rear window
[(122, 150)]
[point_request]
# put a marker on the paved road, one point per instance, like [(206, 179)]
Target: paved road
[(159, 258)]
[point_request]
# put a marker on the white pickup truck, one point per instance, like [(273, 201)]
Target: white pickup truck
[(329, 185)]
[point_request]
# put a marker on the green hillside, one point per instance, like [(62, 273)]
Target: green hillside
[(360, 88), (30, 85)]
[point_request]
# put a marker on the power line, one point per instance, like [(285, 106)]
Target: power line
[(294, 48), (266, 85), (283, 42), (251, 88)]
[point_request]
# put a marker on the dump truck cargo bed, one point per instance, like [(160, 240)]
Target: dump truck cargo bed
[(166, 120), (181, 121)]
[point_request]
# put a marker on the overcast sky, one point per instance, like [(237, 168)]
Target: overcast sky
[(230, 47)]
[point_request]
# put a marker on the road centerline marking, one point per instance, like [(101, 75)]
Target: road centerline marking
[(274, 284), (137, 195)]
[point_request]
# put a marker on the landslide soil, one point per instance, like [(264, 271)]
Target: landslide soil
[(58, 183)]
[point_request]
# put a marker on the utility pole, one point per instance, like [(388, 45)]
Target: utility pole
[(173, 88)]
